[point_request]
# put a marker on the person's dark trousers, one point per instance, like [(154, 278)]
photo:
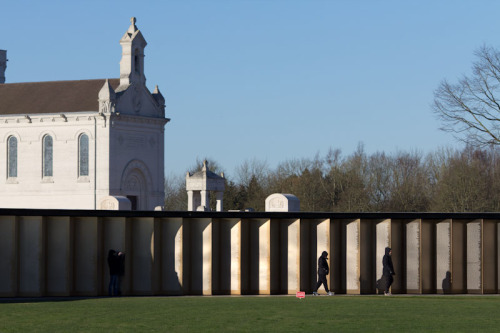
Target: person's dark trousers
[(322, 281), (113, 288), (388, 281)]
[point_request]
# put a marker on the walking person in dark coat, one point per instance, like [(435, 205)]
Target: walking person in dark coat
[(323, 271), (388, 270)]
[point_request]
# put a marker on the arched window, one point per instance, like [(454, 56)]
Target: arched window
[(12, 157), (137, 65), (47, 156), (83, 155)]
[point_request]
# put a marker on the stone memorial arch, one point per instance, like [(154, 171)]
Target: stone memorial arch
[(199, 185)]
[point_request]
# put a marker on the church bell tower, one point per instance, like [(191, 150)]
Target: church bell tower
[(3, 65), (132, 62)]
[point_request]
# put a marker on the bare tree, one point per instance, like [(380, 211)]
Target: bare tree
[(410, 183), (175, 193), (379, 180), (471, 108), (463, 184), (252, 168)]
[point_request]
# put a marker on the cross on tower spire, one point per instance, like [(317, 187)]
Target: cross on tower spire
[(133, 27)]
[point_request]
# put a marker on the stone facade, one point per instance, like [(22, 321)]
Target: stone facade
[(70, 144)]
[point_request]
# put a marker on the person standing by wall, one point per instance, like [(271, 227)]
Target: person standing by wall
[(388, 270), (323, 271), (113, 286), (121, 270)]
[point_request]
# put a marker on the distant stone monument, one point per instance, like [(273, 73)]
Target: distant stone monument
[(198, 186), (279, 202), (115, 203)]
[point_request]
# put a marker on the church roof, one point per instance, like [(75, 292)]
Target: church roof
[(52, 96)]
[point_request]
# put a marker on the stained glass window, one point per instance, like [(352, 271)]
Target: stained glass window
[(47, 156), (83, 155), (12, 157)]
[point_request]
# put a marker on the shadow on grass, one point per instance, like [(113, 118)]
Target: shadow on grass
[(47, 299)]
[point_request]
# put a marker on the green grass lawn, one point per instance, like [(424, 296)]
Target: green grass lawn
[(259, 314)]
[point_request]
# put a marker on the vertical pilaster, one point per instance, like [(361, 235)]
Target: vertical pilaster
[(292, 273), (172, 256), (236, 258), (264, 245), (226, 256), (207, 235), (413, 267), (201, 256), (322, 241), (353, 231), (443, 257), (383, 235), (474, 257)]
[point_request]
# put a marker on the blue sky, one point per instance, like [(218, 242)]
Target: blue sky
[(271, 80)]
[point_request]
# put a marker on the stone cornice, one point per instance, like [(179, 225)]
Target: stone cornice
[(138, 119), (77, 117)]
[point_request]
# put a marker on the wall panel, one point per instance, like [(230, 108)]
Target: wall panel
[(474, 251), (413, 257), (59, 256), (32, 256), (353, 254), (8, 256), (89, 257), (489, 256), (171, 256)]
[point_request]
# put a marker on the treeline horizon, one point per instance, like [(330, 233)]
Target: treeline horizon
[(446, 180)]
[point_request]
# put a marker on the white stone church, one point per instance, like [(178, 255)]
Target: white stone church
[(86, 144)]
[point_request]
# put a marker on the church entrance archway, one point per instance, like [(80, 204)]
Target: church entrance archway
[(136, 191), (136, 185)]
